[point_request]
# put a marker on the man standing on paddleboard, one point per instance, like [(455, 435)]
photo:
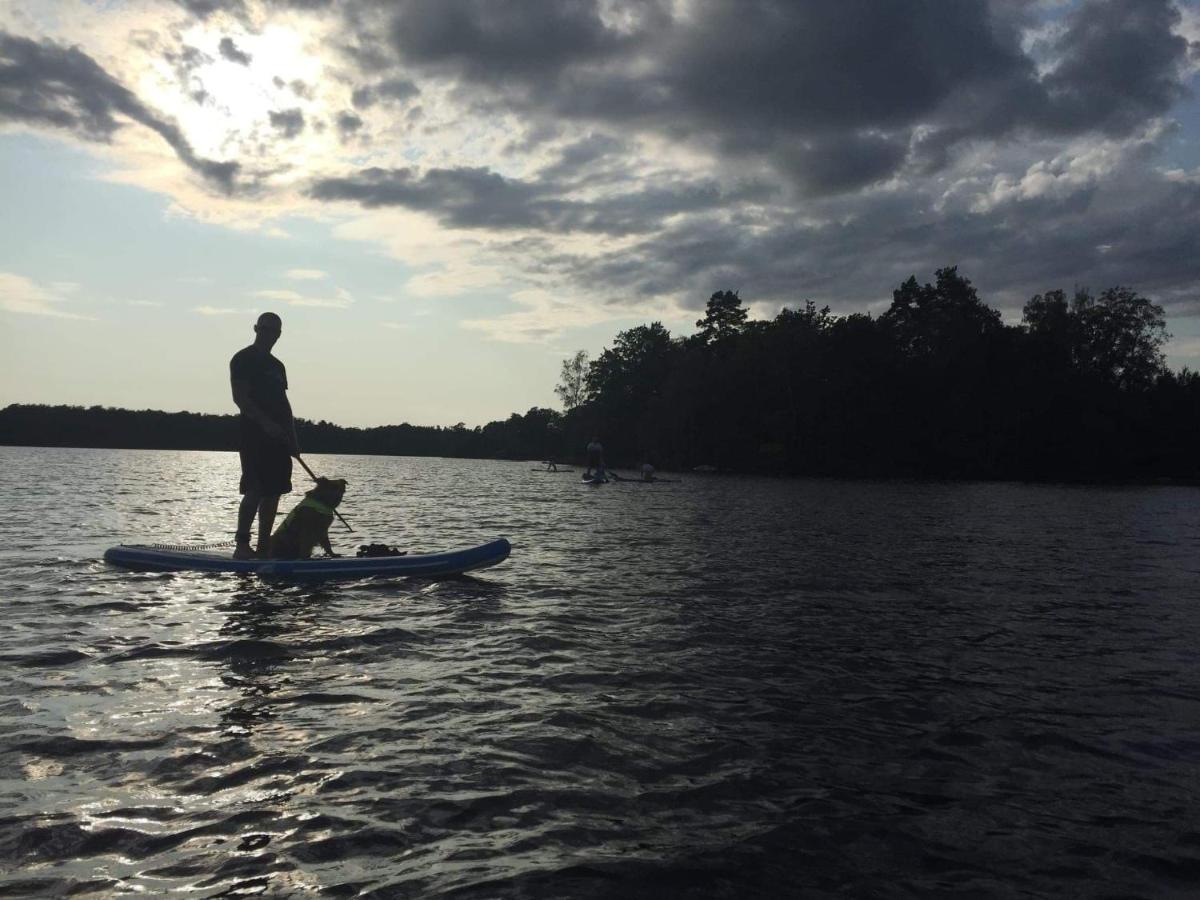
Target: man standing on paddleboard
[(595, 460), (267, 435)]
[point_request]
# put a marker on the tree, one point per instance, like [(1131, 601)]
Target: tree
[(941, 317), (634, 367), (1121, 336), (572, 381), (1117, 337), (1049, 315), (724, 317)]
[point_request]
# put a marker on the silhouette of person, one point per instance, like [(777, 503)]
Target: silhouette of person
[(647, 472), (267, 435), (595, 459)]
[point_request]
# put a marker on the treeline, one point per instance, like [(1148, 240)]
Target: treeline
[(97, 426), (937, 386)]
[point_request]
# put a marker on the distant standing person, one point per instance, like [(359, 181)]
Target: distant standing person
[(595, 459), (267, 435), (647, 472)]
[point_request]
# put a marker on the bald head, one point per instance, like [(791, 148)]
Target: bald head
[(267, 330)]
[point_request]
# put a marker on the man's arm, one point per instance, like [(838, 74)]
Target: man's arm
[(253, 412), (293, 441)]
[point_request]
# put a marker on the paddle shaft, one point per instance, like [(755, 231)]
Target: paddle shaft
[(314, 478)]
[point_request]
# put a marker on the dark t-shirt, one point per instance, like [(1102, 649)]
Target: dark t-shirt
[(266, 382)]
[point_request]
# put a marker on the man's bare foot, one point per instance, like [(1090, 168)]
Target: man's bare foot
[(243, 551)]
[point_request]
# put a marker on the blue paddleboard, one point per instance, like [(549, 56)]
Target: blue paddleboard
[(158, 558)]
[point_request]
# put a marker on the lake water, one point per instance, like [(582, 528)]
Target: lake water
[(726, 687)]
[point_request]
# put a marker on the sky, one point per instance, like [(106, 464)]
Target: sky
[(444, 199)]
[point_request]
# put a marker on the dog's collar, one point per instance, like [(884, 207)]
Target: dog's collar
[(317, 505)]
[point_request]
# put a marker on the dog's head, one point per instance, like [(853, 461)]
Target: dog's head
[(329, 491)]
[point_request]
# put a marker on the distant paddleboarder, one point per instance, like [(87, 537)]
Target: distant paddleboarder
[(595, 460), (267, 435)]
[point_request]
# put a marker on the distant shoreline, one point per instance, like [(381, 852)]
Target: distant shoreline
[(71, 419)]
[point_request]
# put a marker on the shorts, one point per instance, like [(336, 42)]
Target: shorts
[(266, 466)]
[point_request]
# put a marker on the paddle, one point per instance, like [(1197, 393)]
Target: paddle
[(314, 478)]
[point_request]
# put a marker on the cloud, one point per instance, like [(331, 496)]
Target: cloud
[(543, 315), (218, 311), (910, 136), (205, 8), (1120, 64), (489, 39), (1075, 170), (296, 86), (395, 90), (229, 50), (1100, 236), (347, 124), (635, 156), (64, 88), (288, 122), (305, 274), (830, 93), (341, 298), (478, 198), (22, 295)]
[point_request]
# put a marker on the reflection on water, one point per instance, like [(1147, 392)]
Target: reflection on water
[(723, 687)]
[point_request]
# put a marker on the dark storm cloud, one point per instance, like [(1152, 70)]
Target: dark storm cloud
[(818, 99), (832, 64), (798, 82), (288, 122), (204, 8), (62, 87), (1121, 63), (1117, 65), (596, 158), (841, 162), (348, 124), (463, 197), (395, 89), (1102, 238), (831, 92), (834, 94), (230, 51), (480, 198), (490, 39)]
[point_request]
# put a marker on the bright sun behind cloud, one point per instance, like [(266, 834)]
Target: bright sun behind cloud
[(223, 103)]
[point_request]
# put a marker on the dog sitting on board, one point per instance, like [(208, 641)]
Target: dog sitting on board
[(307, 525)]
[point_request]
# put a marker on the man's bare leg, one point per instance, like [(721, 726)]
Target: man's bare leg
[(267, 507), (246, 512)]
